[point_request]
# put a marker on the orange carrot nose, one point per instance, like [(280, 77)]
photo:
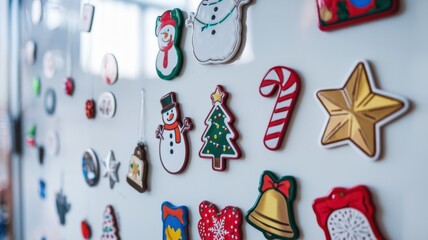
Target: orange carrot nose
[(165, 34), (170, 116)]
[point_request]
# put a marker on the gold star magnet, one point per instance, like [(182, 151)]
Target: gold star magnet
[(358, 111)]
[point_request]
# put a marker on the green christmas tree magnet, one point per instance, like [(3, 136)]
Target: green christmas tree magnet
[(220, 136)]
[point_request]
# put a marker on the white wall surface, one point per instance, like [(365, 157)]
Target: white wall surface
[(277, 32)]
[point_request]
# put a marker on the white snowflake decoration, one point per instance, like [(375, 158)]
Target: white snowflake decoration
[(218, 229), (349, 224)]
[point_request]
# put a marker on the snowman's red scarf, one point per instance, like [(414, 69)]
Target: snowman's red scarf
[(165, 50), (174, 127)]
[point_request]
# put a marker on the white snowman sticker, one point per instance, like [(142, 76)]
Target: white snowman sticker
[(173, 146), (216, 30)]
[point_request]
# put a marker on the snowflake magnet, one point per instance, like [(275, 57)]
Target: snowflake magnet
[(217, 30), (110, 230), (214, 225), (347, 214), (175, 222), (168, 31), (273, 212), (334, 14), (220, 136), (357, 111), (173, 145)]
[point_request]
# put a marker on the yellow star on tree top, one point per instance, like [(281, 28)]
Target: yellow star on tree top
[(218, 95), (357, 112)]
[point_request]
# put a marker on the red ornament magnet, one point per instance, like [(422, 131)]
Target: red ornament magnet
[(90, 109), (273, 212), (214, 225), (110, 69), (173, 145), (69, 86), (87, 17), (334, 14), (106, 105), (347, 214), (286, 84), (110, 230), (220, 136), (86, 230)]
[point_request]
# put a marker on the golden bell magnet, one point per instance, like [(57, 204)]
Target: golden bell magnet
[(273, 212), (357, 111)]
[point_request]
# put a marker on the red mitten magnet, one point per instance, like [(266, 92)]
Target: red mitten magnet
[(347, 214), (224, 225), (220, 136), (286, 84)]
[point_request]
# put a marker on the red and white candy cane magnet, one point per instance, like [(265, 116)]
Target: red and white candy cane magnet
[(288, 83)]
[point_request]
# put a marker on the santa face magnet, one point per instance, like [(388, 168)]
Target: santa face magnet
[(90, 167), (334, 14), (106, 105), (87, 17), (173, 146), (110, 69)]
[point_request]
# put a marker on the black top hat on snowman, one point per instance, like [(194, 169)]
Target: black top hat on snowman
[(168, 102)]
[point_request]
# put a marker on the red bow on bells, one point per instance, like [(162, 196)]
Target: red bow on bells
[(178, 213), (282, 186)]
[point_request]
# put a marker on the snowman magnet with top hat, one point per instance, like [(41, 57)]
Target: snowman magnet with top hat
[(173, 145)]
